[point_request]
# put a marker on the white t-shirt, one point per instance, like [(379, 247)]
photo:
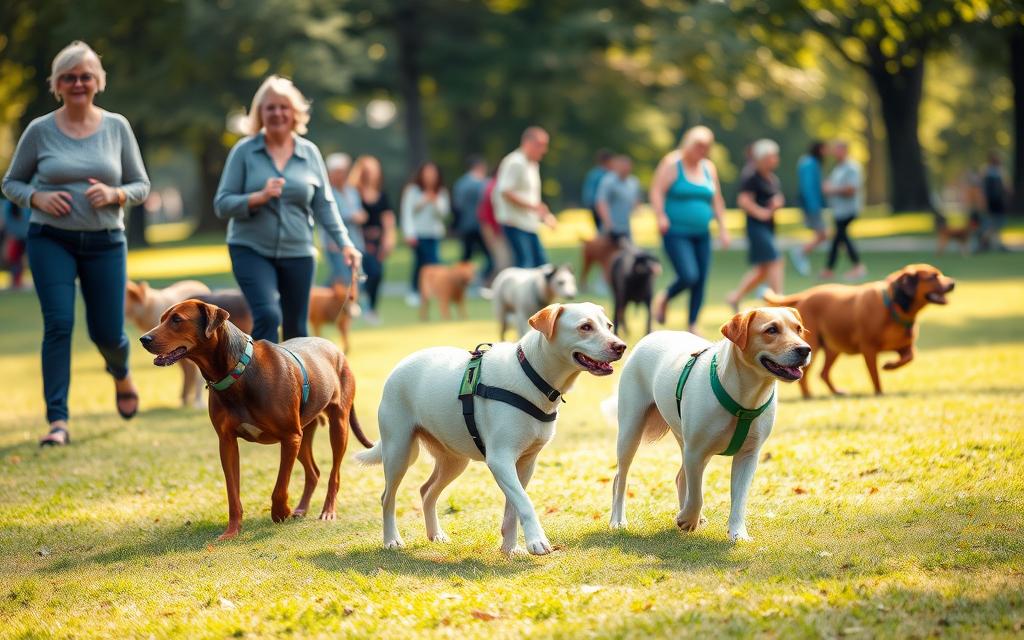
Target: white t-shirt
[(846, 174), (522, 177)]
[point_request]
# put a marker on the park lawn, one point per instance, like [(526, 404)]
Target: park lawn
[(898, 516)]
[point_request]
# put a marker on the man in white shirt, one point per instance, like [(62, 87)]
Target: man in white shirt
[(517, 199)]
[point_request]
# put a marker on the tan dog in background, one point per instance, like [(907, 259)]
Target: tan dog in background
[(333, 304), (446, 284), (856, 319), (143, 305), (600, 250)]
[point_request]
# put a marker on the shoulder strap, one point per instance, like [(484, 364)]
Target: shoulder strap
[(684, 375), (305, 375)]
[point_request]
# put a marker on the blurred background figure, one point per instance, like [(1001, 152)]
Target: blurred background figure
[(993, 183), (760, 197), (618, 194), (425, 208), (273, 187), (686, 195), (845, 191), (591, 181), (467, 194), (350, 207), (812, 201), (16, 221), (517, 199), (490, 229), (378, 229)]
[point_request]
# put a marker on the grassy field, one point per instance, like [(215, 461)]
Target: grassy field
[(898, 516)]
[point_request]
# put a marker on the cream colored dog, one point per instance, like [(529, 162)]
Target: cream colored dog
[(763, 346), (421, 403), (517, 293), (144, 305)]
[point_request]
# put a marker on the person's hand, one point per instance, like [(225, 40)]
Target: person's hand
[(100, 195), (386, 248), (541, 210), (412, 242), (272, 189), (360, 217), (353, 258), (777, 202), (723, 238), (550, 220), (55, 203), (663, 224)]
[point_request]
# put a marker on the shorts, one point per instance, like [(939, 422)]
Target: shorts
[(762, 244), (813, 220)]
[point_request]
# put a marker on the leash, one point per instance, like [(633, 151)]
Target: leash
[(353, 290), (472, 387), (890, 305), (743, 416)]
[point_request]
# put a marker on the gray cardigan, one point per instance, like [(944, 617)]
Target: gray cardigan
[(282, 228), (47, 159)]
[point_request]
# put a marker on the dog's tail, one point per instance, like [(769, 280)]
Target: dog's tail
[(353, 423), (487, 293), (373, 455), (776, 300), (610, 410)]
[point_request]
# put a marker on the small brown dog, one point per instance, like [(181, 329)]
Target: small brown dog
[(265, 393), (867, 318), (600, 250), (446, 283), (961, 235), (333, 304)]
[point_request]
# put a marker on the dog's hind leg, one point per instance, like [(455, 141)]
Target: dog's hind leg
[(279, 510), (309, 466), (338, 428), (509, 522), (826, 371), (399, 449), (632, 423), (447, 467)]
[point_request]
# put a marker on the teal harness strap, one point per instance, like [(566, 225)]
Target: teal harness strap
[(903, 322), (305, 377), (743, 416), (235, 373)]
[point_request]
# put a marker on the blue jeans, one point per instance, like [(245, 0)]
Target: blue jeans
[(691, 258), (99, 260), (473, 241), (373, 267), (427, 251), (277, 290), (338, 271), (527, 251)]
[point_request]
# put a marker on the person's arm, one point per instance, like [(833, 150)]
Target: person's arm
[(325, 209), (810, 187), (411, 201), (746, 201), (231, 200), (442, 208), (601, 202), (660, 184), (387, 220), (17, 184), (512, 176), (718, 205), (134, 180)]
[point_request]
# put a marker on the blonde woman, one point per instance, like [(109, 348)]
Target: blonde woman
[(686, 195), (274, 187), (378, 229), (78, 168)]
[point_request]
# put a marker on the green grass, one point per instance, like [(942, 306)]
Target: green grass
[(898, 516)]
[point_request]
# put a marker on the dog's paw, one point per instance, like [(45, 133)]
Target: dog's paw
[(229, 533), (618, 524), (394, 543), (328, 515), (441, 537), (690, 523), (740, 536), (539, 547), (513, 551), (298, 513), (280, 513)]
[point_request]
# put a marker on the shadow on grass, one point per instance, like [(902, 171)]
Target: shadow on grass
[(369, 561), (823, 395), (674, 549)]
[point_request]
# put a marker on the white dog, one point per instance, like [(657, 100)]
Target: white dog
[(763, 346), (520, 293), (421, 403)]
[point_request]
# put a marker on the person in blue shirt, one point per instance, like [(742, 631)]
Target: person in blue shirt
[(350, 207), (812, 201), (273, 190), (467, 194), (617, 196), (602, 165)]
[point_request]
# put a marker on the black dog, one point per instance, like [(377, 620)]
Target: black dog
[(633, 273)]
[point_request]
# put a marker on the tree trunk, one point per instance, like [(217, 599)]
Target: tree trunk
[(211, 164), (1017, 77), (876, 189), (410, 44), (899, 96)]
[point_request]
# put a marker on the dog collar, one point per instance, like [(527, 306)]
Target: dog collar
[(743, 416), (235, 373), (549, 392), (888, 302)]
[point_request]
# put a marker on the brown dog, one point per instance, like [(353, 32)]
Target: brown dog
[(868, 318), (599, 250), (961, 235), (276, 395), (333, 304), (446, 283)]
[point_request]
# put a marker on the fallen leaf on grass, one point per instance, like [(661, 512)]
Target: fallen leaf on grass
[(642, 606), (872, 491), (209, 547), (484, 615), (587, 589), (14, 459), (799, 491), (42, 552), (347, 611), (549, 510), (766, 457), (604, 480), (824, 554), (868, 472), (597, 515), (449, 596), (227, 604)]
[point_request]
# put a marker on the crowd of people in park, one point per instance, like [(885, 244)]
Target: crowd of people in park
[(76, 170)]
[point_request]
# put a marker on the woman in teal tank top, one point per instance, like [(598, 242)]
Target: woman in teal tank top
[(685, 196)]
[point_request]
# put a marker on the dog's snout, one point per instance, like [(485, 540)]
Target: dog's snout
[(618, 347), (803, 352), (949, 287), (146, 340)]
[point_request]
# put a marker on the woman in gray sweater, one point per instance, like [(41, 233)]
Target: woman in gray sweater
[(77, 168), (273, 189)]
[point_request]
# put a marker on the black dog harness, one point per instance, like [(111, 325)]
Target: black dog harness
[(471, 386)]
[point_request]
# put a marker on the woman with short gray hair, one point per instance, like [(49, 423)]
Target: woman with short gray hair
[(78, 168)]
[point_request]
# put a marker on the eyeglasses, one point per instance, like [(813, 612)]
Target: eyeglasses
[(70, 78)]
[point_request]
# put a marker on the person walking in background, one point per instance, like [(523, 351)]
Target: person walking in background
[(517, 199), (686, 195), (77, 168), (844, 188), (273, 187), (588, 196), (351, 210), (812, 201), (425, 208), (490, 229), (993, 185), (378, 230), (467, 195), (16, 222), (617, 197), (760, 197)]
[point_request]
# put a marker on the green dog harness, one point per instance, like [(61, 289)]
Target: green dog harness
[(236, 372), (903, 322), (743, 416)]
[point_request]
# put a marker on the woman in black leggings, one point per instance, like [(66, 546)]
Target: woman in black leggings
[(844, 189), (379, 228)]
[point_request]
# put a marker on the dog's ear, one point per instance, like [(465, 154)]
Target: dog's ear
[(905, 289), (738, 329), (212, 317), (546, 320), (548, 270), (801, 329), (131, 290), (565, 267)]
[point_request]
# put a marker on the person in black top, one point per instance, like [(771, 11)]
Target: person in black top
[(378, 230), (994, 187), (760, 197)]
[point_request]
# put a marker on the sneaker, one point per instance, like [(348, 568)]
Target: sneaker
[(826, 274), (800, 261), (857, 273), (760, 292), (412, 300), (371, 318)]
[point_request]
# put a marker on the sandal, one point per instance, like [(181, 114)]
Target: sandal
[(58, 437), (127, 395)]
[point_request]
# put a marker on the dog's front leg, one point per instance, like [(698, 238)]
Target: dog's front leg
[(906, 355), (229, 462), (505, 472), (279, 510), (743, 467), (690, 485), (509, 524)]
